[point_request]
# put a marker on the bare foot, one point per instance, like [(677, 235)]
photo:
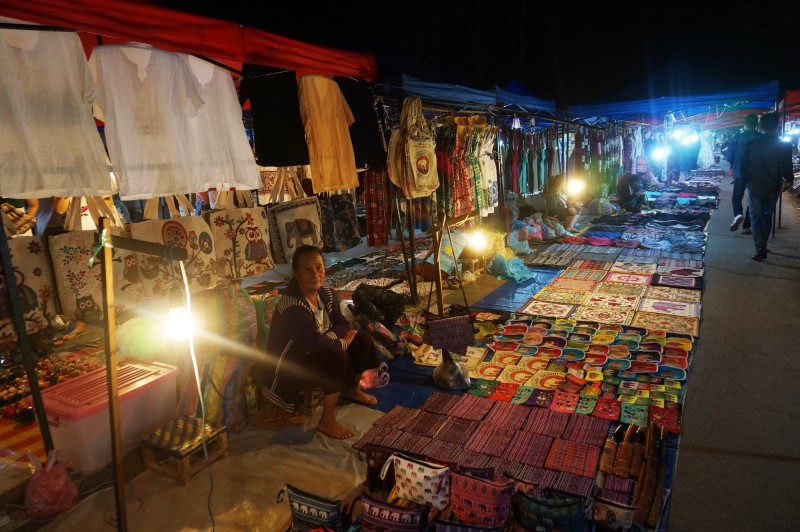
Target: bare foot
[(335, 430), (359, 396)]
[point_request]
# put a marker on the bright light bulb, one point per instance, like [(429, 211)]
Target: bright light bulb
[(661, 153), (794, 131), (576, 186), (677, 134), (179, 323), (477, 240), (787, 138)]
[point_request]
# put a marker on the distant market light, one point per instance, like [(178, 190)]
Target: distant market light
[(575, 186), (787, 138), (677, 134), (661, 153)]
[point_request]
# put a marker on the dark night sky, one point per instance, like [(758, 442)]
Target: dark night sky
[(602, 52)]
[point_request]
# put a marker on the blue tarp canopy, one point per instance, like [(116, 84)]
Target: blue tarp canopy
[(467, 96), (717, 109)]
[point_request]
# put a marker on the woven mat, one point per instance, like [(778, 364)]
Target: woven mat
[(673, 308), (490, 440), (470, 407), (586, 429), (620, 289), (383, 435), (561, 295), (398, 417), (529, 449), (573, 457), (546, 421), (669, 293), (439, 402), (456, 430)]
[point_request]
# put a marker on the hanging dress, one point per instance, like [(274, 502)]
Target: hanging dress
[(489, 168)]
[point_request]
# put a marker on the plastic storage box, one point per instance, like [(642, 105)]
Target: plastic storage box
[(77, 411)]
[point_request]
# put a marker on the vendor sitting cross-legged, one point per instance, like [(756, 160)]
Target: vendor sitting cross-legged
[(312, 343)]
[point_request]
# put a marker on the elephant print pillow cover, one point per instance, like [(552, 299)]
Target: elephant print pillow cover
[(293, 224)]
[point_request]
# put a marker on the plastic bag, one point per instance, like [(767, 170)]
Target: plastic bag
[(449, 375), (50, 491), (518, 241), (513, 268)]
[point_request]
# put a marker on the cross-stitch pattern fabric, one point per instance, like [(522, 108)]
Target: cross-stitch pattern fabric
[(621, 289), (544, 308), (583, 275), (480, 501), (547, 422), (633, 267), (583, 264), (669, 293), (604, 315), (627, 278), (677, 281), (573, 284), (560, 295), (674, 308), (573, 457), (528, 448), (678, 324), (611, 301)]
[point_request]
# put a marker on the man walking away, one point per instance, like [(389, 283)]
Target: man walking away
[(735, 157), (766, 171)]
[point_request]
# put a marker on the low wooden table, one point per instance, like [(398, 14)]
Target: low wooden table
[(176, 449)]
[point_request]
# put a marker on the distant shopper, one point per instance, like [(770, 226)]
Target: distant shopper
[(766, 169), (630, 195), (735, 157), (555, 196)]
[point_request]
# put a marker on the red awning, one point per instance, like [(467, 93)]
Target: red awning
[(170, 30)]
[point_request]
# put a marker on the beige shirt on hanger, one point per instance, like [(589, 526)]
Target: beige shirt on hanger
[(326, 119)]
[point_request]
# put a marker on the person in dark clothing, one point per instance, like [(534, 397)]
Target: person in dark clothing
[(629, 193), (311, 343), (766, 168), (735, 158), (555, 197)]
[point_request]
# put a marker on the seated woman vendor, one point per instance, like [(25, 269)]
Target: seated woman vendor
[(555, 197), (630, 195), (311, 343)]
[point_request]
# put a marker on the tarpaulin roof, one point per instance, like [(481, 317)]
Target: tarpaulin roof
[(231, 43), (460, 94), (791, 104), (715, 110)]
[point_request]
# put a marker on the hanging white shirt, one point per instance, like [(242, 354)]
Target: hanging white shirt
[(49, 142), (224, 157), (146, 98)]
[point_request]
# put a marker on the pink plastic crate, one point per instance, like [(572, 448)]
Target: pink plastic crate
[(77, 411)]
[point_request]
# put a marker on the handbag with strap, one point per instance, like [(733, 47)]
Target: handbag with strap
[(480, 501), (419, 481), (382, 516), (295, 222), (311, 511)]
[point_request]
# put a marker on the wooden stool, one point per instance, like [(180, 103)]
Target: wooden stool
[(176, 449)]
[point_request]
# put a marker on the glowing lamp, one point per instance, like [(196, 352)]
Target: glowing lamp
[(575, 186), (179, 323), (477, 240), (677, 134), (661, 153)]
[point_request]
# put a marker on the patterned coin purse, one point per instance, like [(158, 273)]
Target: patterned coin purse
[(420, 482), (312, 512), (480, 501), (382, 516)]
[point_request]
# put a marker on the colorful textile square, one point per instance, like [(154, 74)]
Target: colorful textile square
[(547, 380), (383, 435), (627, 278), (680, 263), (411, 443), (561, 295), (573, 284), (456, 430), (639, 252), (438, 402), (583, 275), (482, 387), (491, 440), (591, 264), (547, 422), (425, 424), (669, 293), (487, 370), (621, 289), (677, 281), (674, 308), (528, 449), (504, 392), (575, 484), (470, 407), (442, 451), (540, 398), (573, 457), (667, 322), (587, 429), (646, 259), (683, 272), (612, 316), (398, 416), (507, 415), (544, 308), (612, 301), (633, 267)]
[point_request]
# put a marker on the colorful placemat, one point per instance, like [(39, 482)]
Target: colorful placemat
[(627, 278), (574, 484), (546, 421), (544, 308), (561, 295), (680, 263), (442, 451), (677, 281), (683, 272), (640, 252), (573, 457), (611, 301), (669, 323), (507, 415), (490, 439), (438, 402), (587, 429), (620, 316), (528, 449), (621, 289), (456, 429), (573, 284), (398, 416), (583, 275), (673, 308), (383, 435), (645, 259), (425, 424), (669, 293), (591, 264), (410, 442), (470, 407), (552, 259), (547, 380), (634, 267)]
